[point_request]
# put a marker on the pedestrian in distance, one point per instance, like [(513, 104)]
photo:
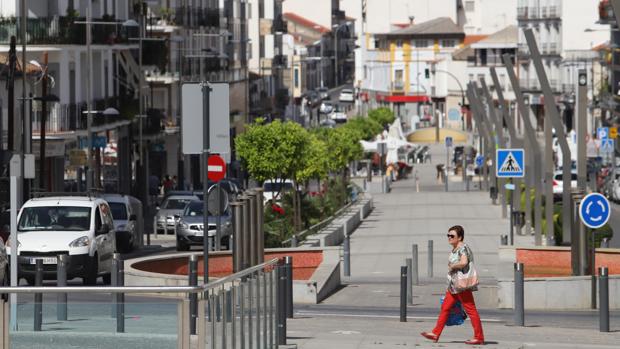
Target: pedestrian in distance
[(462, 281)]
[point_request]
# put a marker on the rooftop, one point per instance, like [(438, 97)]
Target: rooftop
[(505, 38), (437, 26), (304, 22)]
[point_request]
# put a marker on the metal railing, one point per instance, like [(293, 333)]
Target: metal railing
[(244, 309)]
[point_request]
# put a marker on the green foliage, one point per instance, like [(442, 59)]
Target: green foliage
[(344, 146), (276, 150), (383, 116), (317, 161), (368, 128)]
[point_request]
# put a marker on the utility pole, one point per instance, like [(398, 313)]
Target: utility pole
[(10, 85), (22, 133), (89, 97), (42, 177)]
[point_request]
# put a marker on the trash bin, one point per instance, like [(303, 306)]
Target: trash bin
[(493, 193)]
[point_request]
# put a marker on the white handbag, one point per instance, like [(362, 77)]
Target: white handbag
[(465, 281)]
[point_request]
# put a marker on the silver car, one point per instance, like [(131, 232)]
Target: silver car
[(190, 227), (172, 206)]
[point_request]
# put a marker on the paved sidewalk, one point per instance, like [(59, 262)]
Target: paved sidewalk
[(378, 250)]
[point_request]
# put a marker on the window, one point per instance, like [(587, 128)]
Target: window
[(399, 43), (58, 218), (448, 43), (420, 43), (296, 78), (480, 77), (377, 44), (471, 77), (470, 6), (119, 210)]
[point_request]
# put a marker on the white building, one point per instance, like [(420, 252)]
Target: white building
[(559, 26)]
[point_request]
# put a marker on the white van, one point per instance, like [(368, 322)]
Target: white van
[(128, 221), (79, 226)]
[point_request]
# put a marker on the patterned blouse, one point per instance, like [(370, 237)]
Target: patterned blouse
[(455, 257)]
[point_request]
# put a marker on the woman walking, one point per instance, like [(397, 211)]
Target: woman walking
[(459, 260)]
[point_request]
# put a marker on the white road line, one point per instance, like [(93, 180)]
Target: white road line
[(381, 316)]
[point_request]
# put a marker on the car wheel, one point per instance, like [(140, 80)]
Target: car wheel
[(90, 278), (182, 246)]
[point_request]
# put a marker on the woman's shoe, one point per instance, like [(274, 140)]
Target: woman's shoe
[(475, 342), (430, 336)]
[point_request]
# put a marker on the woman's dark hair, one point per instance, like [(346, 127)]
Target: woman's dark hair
[(460, 232)]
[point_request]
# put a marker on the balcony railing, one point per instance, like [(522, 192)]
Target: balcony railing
[(544, 48), (522, 13), (63, 31), (553, 48), (543, 12), (192, 17), (568, 88), (533, 12), (398, 85), (554, 12), (61, 118)]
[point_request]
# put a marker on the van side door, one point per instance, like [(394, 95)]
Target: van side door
[(108, 240)]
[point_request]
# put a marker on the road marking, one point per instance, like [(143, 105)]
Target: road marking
[(346, 332), (382, 316)]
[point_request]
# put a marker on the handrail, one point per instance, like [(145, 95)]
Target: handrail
[(138, 289), (324, 222)]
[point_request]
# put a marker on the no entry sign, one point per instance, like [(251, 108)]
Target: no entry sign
[(216, 168)]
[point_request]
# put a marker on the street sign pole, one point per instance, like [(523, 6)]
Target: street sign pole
[(552, 112), (491, 141), (485, 135), (535, 153), (206, 91), (582, 131)]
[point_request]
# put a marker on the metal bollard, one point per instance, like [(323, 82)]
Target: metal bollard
[(519, 306), (409, 263), (347, 255), (120, 297), (61, 281), (414, 272), (253, 228), (114, 282), (288, 264), (246, 261), (281, 305), (403, 294), (193, 297), (294, 241), (603, 295), (430, 258), (38, 297), (260, 225)]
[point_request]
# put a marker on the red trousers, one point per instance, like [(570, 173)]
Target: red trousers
[(467, 300)]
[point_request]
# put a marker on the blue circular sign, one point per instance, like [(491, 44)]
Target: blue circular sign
[(594, 210), (479, 160)]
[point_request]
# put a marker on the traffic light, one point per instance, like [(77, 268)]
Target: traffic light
[(427, 73)]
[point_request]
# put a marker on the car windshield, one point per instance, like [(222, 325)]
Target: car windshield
[(347, 91), (277, 186), (65, 218), (195, 208), (175, 204), (119, 210)]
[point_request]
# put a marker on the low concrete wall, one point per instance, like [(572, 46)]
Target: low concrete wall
[(324, 281), (557, 293), (333, 234), (553, 293)]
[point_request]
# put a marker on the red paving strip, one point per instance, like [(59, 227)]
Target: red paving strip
[(550, 263), (304, 264)]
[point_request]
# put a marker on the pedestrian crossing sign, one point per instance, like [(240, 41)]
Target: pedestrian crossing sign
[(510, 163)]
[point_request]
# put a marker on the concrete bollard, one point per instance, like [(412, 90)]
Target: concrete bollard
[(414, 272), (409, 263), (193, 297), (403, 294), (430, 258), (288, 264), (347, 255), (294, 242), (61, 281), (519, 306), (120, 297), (603, 295), (38, 297)]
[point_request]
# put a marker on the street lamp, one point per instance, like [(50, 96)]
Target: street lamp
[(337, 27), (89, 57)]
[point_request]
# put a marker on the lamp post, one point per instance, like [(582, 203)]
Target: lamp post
[(89, 79)]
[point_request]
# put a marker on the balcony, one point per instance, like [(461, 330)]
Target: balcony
[(544, 48), (524, 50), (522, 13), (63, 31), (553, 49), (554, 12), (192, 17), (568, 88), (543, 12), (533, 12)]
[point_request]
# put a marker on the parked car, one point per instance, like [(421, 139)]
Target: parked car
[(79, 226), (329, 123), (338, 116), (128, 221), (346, 95), (558, 182), (173, 205), (190, 227), (323, 93), (326, 108)]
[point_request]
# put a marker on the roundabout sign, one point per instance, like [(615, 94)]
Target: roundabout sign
[(594, 210)]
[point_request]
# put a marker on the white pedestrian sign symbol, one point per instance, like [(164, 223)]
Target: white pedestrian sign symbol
[(510, 164)]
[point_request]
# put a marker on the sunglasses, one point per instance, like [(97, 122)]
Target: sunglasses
[(450, 236)]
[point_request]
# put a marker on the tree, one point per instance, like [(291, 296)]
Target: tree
[(368, 128), (384, 116)]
